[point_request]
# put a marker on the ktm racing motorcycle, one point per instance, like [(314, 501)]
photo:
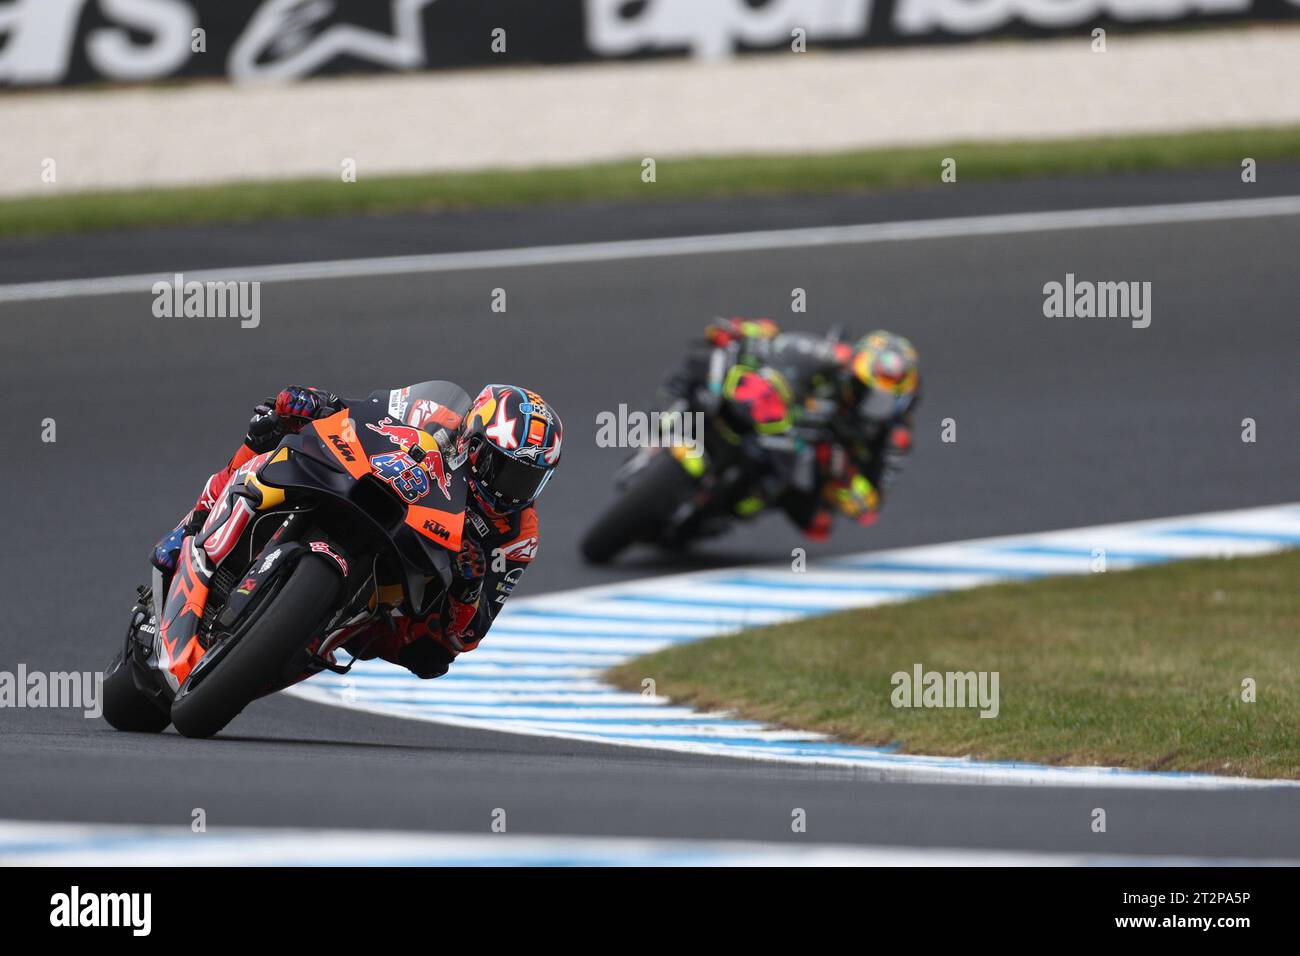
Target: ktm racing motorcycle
[(358, 515), (756, 439)]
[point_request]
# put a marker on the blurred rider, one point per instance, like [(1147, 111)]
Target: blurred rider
[(512, 440), (858, 398)]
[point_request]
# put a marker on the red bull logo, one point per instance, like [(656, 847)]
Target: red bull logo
[(407, 438), (462, 616), (438, 472), (401, 435)]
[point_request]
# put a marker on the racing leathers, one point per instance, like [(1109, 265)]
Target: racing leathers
[(851, 460), (496, 549)]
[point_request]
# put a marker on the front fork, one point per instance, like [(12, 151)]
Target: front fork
[(140, 649)]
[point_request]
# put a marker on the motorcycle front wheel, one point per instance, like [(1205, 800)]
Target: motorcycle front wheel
[(126, 706), (281, 630), (648, 501)]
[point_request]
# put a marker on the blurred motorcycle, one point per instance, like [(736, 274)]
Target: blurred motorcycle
[(756, 440)]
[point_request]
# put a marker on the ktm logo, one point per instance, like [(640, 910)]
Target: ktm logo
[(437, 529), (344, 448)]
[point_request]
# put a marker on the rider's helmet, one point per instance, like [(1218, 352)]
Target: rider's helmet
[(511, 440), (883, 376)]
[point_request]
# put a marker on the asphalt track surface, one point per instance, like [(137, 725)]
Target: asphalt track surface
[(1059, 423)]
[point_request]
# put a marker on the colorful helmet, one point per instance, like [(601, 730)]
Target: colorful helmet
[(884, 369), (512, 442)]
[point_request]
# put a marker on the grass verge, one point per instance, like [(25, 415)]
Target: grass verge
[(1139, 669), (621, 181)]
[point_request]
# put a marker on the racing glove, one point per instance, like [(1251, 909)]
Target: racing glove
[(287, 413), (297, 405)]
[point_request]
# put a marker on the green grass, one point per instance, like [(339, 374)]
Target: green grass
[(1138, 669), (621, 181)]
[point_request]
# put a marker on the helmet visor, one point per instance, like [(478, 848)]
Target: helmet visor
[(508, 480)]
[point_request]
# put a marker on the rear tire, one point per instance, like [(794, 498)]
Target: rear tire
[(650, 498), (128, 708), (256, 661)]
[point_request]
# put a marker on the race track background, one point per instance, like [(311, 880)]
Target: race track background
[(1060, 423)]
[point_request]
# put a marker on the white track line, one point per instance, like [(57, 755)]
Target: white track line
[(995, 225), (107, 845)]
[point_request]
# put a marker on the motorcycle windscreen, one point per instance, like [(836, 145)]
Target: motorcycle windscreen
[(428, 405)]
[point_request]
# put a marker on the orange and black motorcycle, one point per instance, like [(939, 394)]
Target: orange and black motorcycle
[(357, 516)]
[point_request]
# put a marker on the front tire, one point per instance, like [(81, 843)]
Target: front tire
[(128, 708), (650, 498), (256, 661)]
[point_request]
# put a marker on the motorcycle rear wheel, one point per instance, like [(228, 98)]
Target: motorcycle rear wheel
[(281, 631)]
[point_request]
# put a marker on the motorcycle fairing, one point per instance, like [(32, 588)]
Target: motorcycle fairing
[(761, 396), (303, 470), (235, 507), (306, 462), (178, 648), (356, 437), (177, 642)]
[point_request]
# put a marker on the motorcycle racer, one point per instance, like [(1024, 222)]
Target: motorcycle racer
[(511, 439), (857, 397)]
